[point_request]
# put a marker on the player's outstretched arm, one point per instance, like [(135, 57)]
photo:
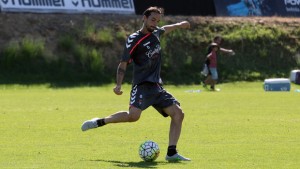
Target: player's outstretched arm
[(229, 51), (182, 25), (120, 76)]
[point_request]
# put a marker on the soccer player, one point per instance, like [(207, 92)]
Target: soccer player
[(143, 49)]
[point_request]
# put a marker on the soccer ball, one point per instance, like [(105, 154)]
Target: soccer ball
[(149, 151)]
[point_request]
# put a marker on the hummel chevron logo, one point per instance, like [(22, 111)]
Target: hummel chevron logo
[(75, 2), (128, 43), (130, 39), (134, 91), (132, 99), (133, 95), (5, 1)]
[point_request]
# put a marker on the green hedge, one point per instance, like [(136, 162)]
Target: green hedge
[(91, 54)]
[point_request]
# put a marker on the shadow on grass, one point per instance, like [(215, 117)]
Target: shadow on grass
[(140, 164), (53, 84)]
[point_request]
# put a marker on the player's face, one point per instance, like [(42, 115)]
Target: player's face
[(152, 21)]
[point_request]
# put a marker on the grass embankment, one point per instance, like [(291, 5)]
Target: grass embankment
[(89, 51)]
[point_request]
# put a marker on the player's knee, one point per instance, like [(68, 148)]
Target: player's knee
[(134, 114), (178, 115), (133, 117), (181, 115)]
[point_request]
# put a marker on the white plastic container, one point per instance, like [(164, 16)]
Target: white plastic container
[(293, 75), (277, 84)]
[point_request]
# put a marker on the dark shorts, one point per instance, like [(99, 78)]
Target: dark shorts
[(151, 94)]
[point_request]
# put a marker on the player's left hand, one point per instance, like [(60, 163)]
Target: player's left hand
[(231, 52), (117, 90)]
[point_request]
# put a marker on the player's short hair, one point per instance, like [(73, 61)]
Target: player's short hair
[(218, 37), (151, 9)]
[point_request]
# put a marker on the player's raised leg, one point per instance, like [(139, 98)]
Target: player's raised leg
[(119, 117)]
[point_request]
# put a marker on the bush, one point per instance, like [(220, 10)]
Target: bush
[(26, 57)]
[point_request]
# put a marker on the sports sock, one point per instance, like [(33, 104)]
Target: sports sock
[(172, 150), (100, 122)]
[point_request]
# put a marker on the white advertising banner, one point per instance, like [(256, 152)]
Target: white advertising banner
[(69, 6)]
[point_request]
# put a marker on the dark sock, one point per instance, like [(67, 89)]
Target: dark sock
[(100, 122), (172, 150)]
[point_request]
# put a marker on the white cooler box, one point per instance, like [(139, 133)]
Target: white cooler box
[(277, 84), (293, 75)]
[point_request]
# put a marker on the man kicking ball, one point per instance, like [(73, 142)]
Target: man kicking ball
[(143, 49)]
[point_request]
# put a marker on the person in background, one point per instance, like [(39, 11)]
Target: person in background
[(143, 50), (211, 62)]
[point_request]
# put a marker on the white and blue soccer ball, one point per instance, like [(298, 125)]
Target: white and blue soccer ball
[(149, 151)]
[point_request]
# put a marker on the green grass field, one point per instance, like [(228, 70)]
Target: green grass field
[(240, 127)]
